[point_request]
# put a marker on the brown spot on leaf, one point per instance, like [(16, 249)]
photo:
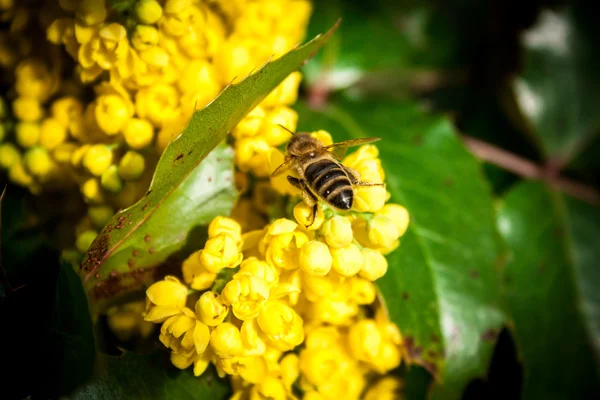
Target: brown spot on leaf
[(435, 338), (490, 335), (145, 206), (405, 296), (179, 157), (97, 276), (135, 253), (474, 274), (96, 253), (151, 250), (113, 285), (210, 178), (413, 351), (147, 238), (114, 274), (148, 192), (190, 152), (131, 263), (431, 354), (430, 367)]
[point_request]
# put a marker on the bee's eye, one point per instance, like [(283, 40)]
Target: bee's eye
[(311, 154)]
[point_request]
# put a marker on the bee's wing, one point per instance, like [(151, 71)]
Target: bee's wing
[(286, 164), (339, 149)]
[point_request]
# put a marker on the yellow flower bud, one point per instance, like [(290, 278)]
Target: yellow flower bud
[(211, 309), (155, 57), (226, 341), (246, 294), (9, 155), (260, 269), (91, 12), (195, 274), (347, 261), (398, 215), (138, 133), (100, 215), (110, 180), (64, 152), (126, 321), (221, 252), (148, 11), (97, 159), (271, 130), (252, 154), (69, 5), (92, 191), (250, 124), (66, 109), (183, 333), (52, 133), (375, 265), (157, 103), (382, 232), (253, 343), (366, 161), (84, 240), (284, 250), (200, 76), (27, 109), (269, 388), (111, 112), (337, 231), (38, 162), (303, 215), (27, 134), (281, 324), (362, 291), (315, 258), (290, 369), (369, 198), (33, 79), (145, 37), (226, 226), (164, 299), (131, 166), (387, 388), (388, 357)]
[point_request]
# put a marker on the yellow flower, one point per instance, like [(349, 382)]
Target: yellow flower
[(387, 388), (91, 12), (138, 133), (270, 388), (28, 109), (285, 93), (38, 162), (337, 231), (27, 134), (316, 287), (246, 294), (251, 338), (9, 155), (183, 333), (322, 136), (315, 258), (131, 166), (148, 11), (199, 80), (126, 321), (195, 273), (382, 232), (348, 260), (303, 215), (100, 215), (362, 291), (211, 309), (97, 159), (110, 180), (252, 154), (226, 341), (52, 133), (290, 369), (164, 299), (157, 103), (67, 109), (375, 265), (200, 361), (364, 340), (281, 324), (366, 161), (369, 198), (17, 174), (33, 79), (220, 252), (250, 124), (92, 191), (260, 269), (398, 215), (144, 37), (111, 112), (271, 128), (227, 226), (284, 249)]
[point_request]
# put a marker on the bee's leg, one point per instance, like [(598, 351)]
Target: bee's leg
[(355, 178), (307, 196)]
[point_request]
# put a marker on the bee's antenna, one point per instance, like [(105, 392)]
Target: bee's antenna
[(293, 133)]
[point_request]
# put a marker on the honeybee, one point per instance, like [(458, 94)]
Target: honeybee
[(322, 175)]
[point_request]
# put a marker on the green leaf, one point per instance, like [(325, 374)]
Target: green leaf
[(559, 89), (150, 376), (551, 282), (72, 347), (186, 192), (442, 285)]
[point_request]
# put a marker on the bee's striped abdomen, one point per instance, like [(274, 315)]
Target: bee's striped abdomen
[(329, 181)]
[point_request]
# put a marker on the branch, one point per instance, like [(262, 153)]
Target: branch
[(530, 170)]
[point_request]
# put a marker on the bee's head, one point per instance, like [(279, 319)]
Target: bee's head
[(302, 145)]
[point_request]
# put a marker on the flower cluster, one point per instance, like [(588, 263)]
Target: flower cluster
[(91, 114), (290, 307)]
